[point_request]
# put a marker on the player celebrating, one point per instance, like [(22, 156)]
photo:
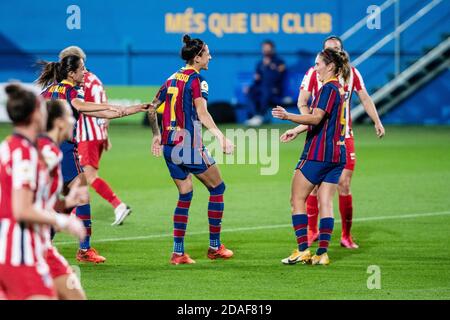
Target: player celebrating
[(62, 80), (323, 157), (24, 221), (310, 87), (92, 138), (185, 96), (59, 128)]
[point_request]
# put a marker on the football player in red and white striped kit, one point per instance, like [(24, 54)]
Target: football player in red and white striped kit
[(24, 219), (92, 138), (309, 87), (60, 123)]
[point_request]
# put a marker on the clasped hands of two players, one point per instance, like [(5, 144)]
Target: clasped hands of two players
[(123, 111)]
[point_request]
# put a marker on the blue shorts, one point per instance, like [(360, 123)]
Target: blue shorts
[(317, 172), (183, 161), (70, 165)]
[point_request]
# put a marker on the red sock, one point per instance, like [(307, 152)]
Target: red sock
[(346, 210), (312, 209), (104, 190)]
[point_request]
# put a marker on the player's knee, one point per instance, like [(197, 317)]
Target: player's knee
[(344, 186), (220, 189)]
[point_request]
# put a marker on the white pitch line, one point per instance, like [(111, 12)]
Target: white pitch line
[(164, 235)]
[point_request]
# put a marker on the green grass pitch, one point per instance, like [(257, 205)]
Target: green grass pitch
[(401, 221)]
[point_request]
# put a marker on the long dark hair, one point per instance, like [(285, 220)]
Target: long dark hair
[(57, 71), (340, 59), (55, 110), (191, 49), (20, 104)]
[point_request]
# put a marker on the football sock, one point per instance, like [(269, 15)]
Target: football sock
[(346, 211), (84, 214), (104, 190), (300, 224), (312, 209), (180, 220), (325, 231), (215, 214)]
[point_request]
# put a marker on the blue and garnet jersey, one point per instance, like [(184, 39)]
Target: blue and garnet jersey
[(180, 123), (325, 141), (65, 90)]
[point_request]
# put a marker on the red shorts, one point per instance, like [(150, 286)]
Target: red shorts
[(20, 283), (351, 155), (57, 264), (90, 152)]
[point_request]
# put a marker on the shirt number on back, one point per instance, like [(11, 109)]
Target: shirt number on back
[(174, 92)]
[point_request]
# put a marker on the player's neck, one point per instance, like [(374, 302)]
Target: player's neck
[(196, 68), (54, 135), (28, 132)]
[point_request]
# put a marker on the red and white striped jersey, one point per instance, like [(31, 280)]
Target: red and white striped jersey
[(52, 157), (21, 167), (312, 84), (92, 128)]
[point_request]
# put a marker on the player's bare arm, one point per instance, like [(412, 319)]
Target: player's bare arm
[(369, 106), (307, 119), (208, 122), (153, 120), (24, 210)]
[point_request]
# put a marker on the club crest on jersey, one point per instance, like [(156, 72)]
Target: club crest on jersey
[(204, 86)]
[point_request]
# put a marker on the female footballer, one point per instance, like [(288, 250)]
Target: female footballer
[(185, 96), (323, 157)]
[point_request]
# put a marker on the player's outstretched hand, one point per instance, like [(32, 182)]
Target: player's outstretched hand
[(227, 146), (156, 146), (379, 129), (288, 136), (78, 195), (279, 113), (118, 110)]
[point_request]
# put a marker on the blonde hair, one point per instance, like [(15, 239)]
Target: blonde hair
[(72, 51)]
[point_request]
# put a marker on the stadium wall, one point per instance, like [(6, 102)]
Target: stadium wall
[(137, 42)]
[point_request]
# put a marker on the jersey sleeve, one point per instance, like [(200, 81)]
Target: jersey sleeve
[(358, 82), (51, 157), (74, 93), (24, 168), (308, 82), (162, 92), (199, 88), (327, 96)]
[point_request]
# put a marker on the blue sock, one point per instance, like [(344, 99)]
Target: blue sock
[(325, 231), (84, 213)]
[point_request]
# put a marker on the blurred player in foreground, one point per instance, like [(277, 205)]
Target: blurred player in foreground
[(62, 80), (92, 138), (323, 157), (24, 218), (60, 123), (185, 96)]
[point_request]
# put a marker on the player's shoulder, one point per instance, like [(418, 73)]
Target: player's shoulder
[(18, 144), (50, 152), (356, 72), (91, 78)]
